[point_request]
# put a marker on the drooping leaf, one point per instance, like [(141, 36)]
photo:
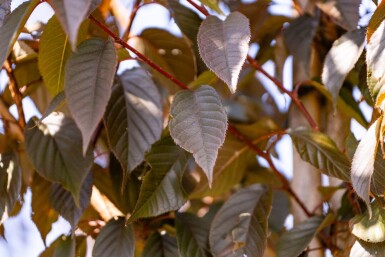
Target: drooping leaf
[(66, 246), (299, 36), (160, 245), (375, 58), (10, 184), (171, 53), (192, 235), (280, 210), (115, 239), (5, 9), (320, 151), (12, 26), (341, 59), (134, 118), (240, 226), (363, 163), (43, 214), (71, 14), (161, 190), (377, 17), (63, 202), (365, 249), (370, 229), (89, 76), (198, 125), (343, 12), (294, 241), (223, 46), (55, 149)]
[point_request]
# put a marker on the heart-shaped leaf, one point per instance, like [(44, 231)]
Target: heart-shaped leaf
[(161, 190), (240, 226), (134, 118), (89, 77), (55, 149), (115, 239), (199, 125), (223, 46)]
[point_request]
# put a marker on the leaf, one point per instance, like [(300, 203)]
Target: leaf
[(365, 249), (53, 55), (344, 12), (5, 9), (54, 148), (65, 247), (160, 245), (341, 58), (12, 26), (63, 202), (375, 57), (223, 46), (10, 184), (115, 239), (161, 190), (377, 17), (370, 228), (71, 14), (240, 226), (363, 163), (198, 125), (212, 4), (130, 135), (54, 104), (89, 77), (299, 36), (43, 215), (320, 151), (294, 241)]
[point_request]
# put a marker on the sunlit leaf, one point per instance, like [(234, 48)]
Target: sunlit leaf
[(223, 46), (198, 125), (160, 245), (89, 76), (240, 226), (376, 19), (55, 149), (341, 59), (192, 235), (115, 239), (212, 4), (294, 241), (365, 249), (12, 26), (134, 118), (161, 190), (363, 163), (343, 12), (320, 151)]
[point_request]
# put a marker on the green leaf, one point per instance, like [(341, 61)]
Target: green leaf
[(240, 226), (54, 148), (43, 215), (161, 190), (299, 36), (160, 246), (363, 162), (192, 235), (10, 184), (53, 54), (171, 53), (63, 202), (294, 241), (365, 249), (134, 118), (89, 77), (71, 14), (213, 5), (377, 17), (341, 58), (223, 46), (198, 125), (5, 9), (12, 26), (370, 228), (320, 151), (115, 239)]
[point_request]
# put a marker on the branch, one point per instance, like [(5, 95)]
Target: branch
[(11, 126)]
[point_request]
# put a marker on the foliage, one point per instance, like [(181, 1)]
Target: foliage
[(176, 155)]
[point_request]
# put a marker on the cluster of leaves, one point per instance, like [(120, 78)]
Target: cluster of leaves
[(160, 160)]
